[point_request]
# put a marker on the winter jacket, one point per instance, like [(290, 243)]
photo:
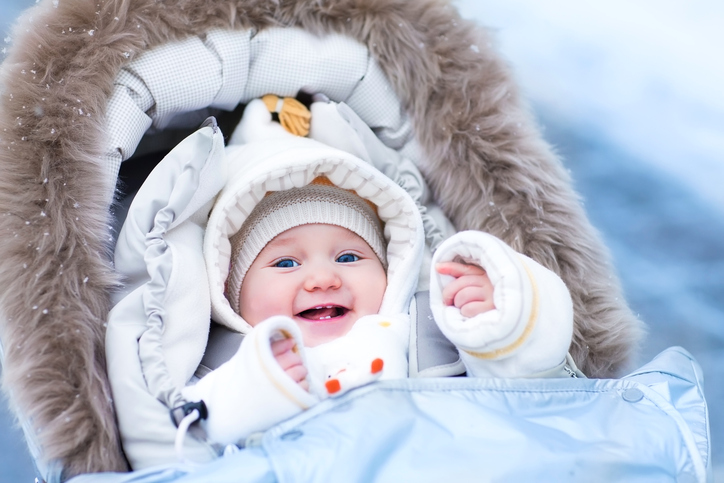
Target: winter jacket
[(526, 335)]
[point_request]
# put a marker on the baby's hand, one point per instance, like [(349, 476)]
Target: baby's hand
[(471, 291), (290, 361)]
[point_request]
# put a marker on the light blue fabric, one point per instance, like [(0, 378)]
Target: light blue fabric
[(651, 426)]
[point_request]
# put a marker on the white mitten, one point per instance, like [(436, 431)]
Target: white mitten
[(251, 392), (375, 348), (529, 330)]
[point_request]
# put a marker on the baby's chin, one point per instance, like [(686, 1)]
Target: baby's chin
[(317, 331)]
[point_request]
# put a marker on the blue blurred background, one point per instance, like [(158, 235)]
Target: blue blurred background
[(630, 94)]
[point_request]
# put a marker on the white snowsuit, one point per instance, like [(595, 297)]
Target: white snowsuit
[(526, 335)]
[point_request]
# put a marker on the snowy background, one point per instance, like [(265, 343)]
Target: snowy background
[(631, 95)]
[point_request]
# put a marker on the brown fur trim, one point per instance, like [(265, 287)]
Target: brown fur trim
[(487, 166)]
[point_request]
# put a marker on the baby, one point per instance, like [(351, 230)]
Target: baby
[(315, 256), (327, 268)]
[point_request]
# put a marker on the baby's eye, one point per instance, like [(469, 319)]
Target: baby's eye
[(347, 258), (286, 263)]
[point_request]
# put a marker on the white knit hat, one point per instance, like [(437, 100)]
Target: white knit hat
[(318, 202)]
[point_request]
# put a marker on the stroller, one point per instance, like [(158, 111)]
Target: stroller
[(96, 94)]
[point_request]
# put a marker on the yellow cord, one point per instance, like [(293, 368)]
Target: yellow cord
[(293, 115)]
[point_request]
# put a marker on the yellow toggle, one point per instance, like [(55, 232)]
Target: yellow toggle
[(293, 115)]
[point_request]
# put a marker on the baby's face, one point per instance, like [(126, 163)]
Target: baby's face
[(324, 277)]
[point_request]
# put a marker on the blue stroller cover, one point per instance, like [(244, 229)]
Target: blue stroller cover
[(649, 426)]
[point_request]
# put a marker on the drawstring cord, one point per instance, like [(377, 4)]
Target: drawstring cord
[(183, 428), (191, 412)]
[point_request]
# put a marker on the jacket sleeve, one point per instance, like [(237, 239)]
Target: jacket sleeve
[(251, 392), (527, 333)]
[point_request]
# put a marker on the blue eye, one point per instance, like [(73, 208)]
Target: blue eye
[(286, 263), (347, 258)]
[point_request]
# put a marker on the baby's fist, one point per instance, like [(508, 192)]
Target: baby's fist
[(471, 291), (290, 361)]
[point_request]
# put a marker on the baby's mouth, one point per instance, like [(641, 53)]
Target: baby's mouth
[(323, 312)]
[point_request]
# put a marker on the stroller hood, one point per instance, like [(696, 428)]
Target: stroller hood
[(76, 64)]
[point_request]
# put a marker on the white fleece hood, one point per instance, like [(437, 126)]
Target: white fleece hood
[(282, 161)]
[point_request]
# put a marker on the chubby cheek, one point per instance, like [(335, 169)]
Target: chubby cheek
[(258, 304), (373, 293), (248, 308)]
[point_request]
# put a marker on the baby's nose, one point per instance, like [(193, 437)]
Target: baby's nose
[(323, 279)]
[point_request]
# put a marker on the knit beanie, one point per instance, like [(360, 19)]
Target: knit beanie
[(318, 202)]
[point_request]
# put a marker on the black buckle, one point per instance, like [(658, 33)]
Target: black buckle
[(180, 412)]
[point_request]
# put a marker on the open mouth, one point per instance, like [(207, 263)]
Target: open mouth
[(323, 312)]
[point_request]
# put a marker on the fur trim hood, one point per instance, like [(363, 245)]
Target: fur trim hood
[(485, 162)]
